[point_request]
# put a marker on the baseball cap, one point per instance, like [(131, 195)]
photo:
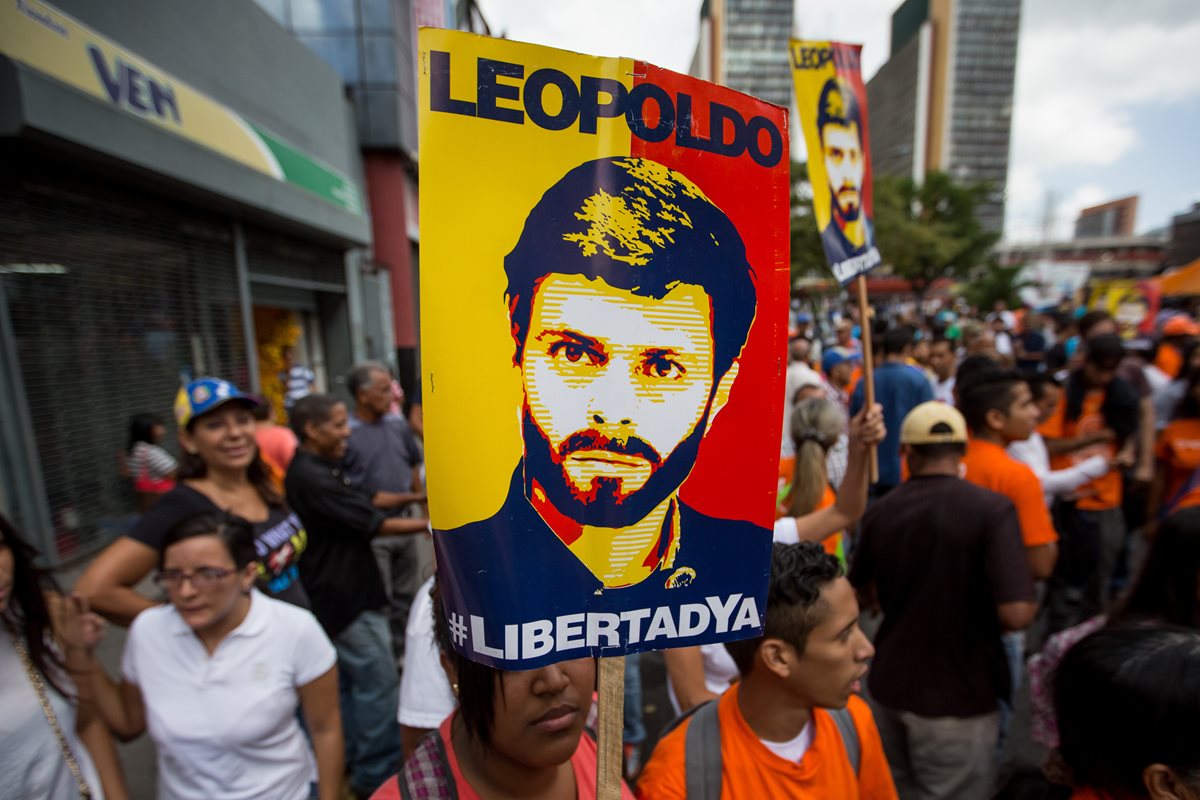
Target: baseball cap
[(836, 355), (204, 395), (1180, 326), (934, 422), (804, 317)]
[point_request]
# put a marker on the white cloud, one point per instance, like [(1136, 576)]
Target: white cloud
[(1082, 92), (1079, 91), (663, 32), (868, 22)]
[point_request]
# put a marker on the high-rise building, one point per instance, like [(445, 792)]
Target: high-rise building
[(372, 45), (744, 45), (943, 100)]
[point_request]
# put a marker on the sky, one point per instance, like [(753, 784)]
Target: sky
[(1107, 101)]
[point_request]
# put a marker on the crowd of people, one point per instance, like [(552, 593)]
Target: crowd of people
[(1035, 521)]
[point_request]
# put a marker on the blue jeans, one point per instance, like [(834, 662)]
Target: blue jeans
[(635, 729), (370, 694)]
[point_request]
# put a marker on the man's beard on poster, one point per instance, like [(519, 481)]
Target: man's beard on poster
[(846, 215), (603, 506)]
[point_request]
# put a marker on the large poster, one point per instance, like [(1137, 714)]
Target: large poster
[(832, 102), (604, 282)]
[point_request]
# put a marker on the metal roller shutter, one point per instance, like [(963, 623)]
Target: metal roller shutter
[(113, 298)]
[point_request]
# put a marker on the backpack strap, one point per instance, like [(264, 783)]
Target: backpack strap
[(702, 753), (845, 726), (427, 772)]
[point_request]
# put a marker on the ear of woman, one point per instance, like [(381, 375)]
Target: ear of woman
[(1163, 784)]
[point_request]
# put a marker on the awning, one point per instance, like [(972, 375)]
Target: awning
[(1183, 281)]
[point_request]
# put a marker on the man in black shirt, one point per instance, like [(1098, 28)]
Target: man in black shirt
[(943, 559), (344, 586)]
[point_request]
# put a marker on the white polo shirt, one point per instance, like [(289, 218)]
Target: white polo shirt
[(225, 725)]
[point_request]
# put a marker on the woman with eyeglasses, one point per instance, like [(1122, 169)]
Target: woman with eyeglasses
[(220, 469), (216, 675)]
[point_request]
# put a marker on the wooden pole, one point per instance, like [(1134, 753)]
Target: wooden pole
[(864, 326), (610, 728)]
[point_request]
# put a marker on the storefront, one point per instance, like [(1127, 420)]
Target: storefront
[(183, 200)]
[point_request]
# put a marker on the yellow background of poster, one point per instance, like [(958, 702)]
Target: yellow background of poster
[(479, 179), (809, 83)]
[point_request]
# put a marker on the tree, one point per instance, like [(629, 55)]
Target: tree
[(930, 231), (808, 257), (996, 283)]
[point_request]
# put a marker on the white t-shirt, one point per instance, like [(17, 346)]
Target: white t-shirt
[(225, 725), (720, 671), (425, 695), (785, 531), (943, 390), (794, 749)]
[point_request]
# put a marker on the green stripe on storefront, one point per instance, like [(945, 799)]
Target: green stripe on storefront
[(301, 169)]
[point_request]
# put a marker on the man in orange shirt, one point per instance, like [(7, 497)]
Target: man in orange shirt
[(999, 409), (1099, 415), (792, 727)]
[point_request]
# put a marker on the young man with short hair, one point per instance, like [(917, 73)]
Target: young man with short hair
[(793, 725), (943, 560), (999, 409)]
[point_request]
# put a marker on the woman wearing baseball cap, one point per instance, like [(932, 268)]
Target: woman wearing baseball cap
[(220, 470)]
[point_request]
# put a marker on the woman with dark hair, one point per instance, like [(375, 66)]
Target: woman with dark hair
[(217, 673), (1128, 706), (1167, 591), (51, 745), (514, 733), (151, 467), (220, 470)]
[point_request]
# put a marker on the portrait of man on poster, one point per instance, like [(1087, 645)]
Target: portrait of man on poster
[(848, 232), (629, 299)]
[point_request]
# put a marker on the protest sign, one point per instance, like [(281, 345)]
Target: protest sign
[(604, 283), (832, 102)]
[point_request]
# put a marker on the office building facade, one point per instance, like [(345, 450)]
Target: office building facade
[(943, 101), (372, 44), (743, 44), (165, 213)]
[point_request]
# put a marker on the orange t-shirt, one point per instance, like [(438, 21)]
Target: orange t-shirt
[(855, 377), (1169, 361), (750, 771), (787, 471), (583, 763), (989, 466), (1102, 493), (1179, 448)]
